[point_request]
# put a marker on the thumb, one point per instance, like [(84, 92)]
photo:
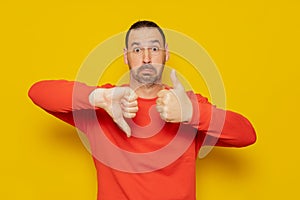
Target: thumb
[(176, 83), (124, 126)]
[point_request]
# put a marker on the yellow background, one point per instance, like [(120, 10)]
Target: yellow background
[(255, 45)]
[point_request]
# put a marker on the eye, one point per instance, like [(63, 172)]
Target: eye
[(154, 49), (137, 50)]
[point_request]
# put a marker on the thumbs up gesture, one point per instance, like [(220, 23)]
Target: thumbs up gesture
[(174, 105)]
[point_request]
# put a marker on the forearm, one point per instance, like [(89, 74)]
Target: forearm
[(223, 128), (61, 95), (237, 131)]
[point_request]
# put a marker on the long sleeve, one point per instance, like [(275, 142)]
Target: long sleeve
[(61, 95), (220, 127), (62, 98)]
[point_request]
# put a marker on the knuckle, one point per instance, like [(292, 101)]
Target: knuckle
[(129, 115), (158, 101), (165, 101), (123, 101), (125, 109), (125, 114), (135, 109), (133, 103)]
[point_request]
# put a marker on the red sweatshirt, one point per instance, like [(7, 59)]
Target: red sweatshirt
[(158, 161)]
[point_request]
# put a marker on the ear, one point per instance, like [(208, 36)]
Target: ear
[(125, 56), (167, 52)]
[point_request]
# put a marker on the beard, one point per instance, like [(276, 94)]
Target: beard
[(147, 74)]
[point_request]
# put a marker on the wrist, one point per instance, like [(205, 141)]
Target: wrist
[(188, 112), (96, 97)]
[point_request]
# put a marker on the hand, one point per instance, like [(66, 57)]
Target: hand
[(174, 105), (118, 102)]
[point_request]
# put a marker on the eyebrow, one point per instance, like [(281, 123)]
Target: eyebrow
[(138, 43), (155, 41), (135, 43)]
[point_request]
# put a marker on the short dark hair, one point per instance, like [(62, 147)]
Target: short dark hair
[(144, 24)]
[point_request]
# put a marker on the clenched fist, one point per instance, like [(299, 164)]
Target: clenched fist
[(118, 102), (174, 105)]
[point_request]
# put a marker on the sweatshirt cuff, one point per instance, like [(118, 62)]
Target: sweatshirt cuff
[(201, 116)]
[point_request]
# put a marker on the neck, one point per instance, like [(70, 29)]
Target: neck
[(146, 91)]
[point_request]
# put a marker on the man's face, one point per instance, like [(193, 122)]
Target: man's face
[(146, 55)]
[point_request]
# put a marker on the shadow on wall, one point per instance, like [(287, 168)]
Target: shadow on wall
[(231, 165), (62, 135)]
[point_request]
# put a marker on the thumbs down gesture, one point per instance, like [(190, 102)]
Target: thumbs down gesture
[(118, 102), (174, 105)]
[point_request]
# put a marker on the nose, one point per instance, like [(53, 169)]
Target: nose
[(146, 56)]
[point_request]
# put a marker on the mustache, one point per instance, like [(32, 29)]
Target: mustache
[(146, 66)]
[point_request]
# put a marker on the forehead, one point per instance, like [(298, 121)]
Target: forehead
[(144, 36)]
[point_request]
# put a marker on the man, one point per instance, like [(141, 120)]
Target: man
[(156, 148)]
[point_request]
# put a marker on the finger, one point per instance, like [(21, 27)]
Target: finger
[(129, 115), (166, 99), (126, 103), (130, 95), (163, 116), (123, 125), (159, 108), (159, 101), (176, 83), (162, 93), (131, 98), (130, 109)]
